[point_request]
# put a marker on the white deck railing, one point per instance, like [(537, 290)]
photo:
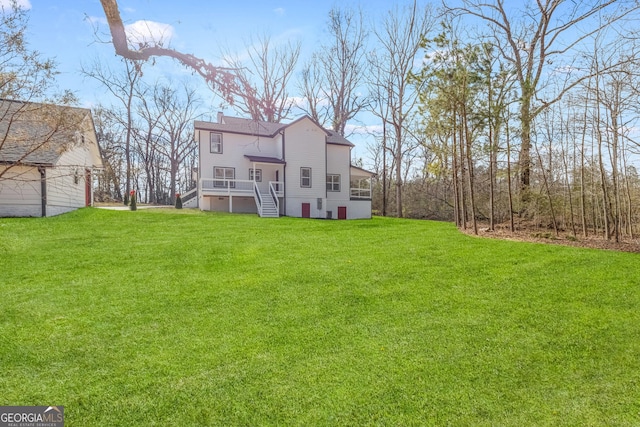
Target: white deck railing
[(226, 186)]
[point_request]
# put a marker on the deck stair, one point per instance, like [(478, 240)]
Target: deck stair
[(266, 202)]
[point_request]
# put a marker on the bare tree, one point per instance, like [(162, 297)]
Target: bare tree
[(399, 36), (331, 81), (222, 80), (123, 86), (109, 135), (26, 82), (176, 111), (264, 79), (540, 37)]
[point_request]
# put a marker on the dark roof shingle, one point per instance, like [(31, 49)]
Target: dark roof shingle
[(266, 129), (32, 133)]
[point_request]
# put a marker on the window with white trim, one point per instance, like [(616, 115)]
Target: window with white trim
[(222, 176), (257, 173), (333, 182), (305, 177), (215, 142)]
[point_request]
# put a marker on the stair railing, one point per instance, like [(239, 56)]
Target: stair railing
[(258, 197)]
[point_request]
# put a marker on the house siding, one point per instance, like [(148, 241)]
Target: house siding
[(300, 144), (234, 149), (305, 147), (338, 162), (20, 192), (20, 187), (65, 191)]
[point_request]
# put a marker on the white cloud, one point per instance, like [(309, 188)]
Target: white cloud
[(149, 32), (8, 4), (279, 11)]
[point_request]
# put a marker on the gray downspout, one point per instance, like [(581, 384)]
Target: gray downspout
[(43, 189)]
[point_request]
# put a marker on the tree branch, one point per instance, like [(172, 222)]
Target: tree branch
[(219, 78)]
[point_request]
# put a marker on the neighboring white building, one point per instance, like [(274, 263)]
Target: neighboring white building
[(48, 155), (298, 169)]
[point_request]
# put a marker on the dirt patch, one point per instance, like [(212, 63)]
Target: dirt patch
[(526, 232)]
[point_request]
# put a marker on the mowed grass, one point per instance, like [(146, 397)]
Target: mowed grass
[(164, 317)]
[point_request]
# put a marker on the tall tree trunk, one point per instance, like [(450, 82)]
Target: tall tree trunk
[(398, 160), (467, 137), (509, 185), (525, 148), (492, 158), (583, 191), (463, 190), (614, 173), (628, 196), (384, 172), (546, 186)]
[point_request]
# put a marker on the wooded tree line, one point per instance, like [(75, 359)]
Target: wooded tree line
[(488, 112), (534, 121), (145, 135)]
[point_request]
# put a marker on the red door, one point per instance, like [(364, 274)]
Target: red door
[(342, 212), (306, 210), (87, 187)]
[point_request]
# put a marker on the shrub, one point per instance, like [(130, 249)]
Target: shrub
[(178, 201), (133, 206)]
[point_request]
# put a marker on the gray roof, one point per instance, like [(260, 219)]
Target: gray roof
[(266, 129), (263, 159), (38, 134), (242, 126), (337, 139)]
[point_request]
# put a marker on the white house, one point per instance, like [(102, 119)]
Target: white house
[(298, 169), (48, 155)]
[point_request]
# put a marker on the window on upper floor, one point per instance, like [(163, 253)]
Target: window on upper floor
[(257, 173), (305, 177), (215, 142), (333, 182)]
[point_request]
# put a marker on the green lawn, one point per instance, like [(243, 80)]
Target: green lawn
[(184, 318)]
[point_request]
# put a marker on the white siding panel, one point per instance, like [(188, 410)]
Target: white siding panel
[(356, 209), (234, 149), (339, 162), (66, 182), (20, 192), (305, 146), (359, 209)]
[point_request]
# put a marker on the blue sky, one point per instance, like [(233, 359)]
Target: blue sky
[(64, 30)]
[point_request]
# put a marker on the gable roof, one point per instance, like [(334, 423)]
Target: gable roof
[(337, 139), (38, 134), (242, 126), (266, 129), (358, 171)]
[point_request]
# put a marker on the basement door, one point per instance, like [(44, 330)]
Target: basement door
[(342, 212), (306, 210)]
